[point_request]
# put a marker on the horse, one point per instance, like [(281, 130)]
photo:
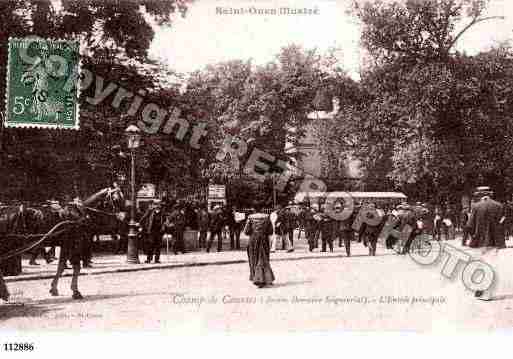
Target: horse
[(24, 228), (110, 216), (399, 221)]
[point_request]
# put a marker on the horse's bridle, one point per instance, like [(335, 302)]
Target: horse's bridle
[(111, 203), (96, 210)]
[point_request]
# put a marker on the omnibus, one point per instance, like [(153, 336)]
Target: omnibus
[(381, 199)]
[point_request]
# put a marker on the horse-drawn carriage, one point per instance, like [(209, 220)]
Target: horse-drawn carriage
[(24, 228)]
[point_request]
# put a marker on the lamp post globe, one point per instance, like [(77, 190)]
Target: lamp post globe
[(133, 135)]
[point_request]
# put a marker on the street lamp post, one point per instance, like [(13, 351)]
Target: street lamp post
[(134, 140), (274, 189)]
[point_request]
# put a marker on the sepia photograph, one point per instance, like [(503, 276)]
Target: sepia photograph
[(239, 167)]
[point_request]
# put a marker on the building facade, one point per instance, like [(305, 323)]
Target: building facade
[(312, 160)]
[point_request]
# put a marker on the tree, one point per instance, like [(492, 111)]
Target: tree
[(116, 35), (267, 105), (417, 30), (420, 121), (277, 98)]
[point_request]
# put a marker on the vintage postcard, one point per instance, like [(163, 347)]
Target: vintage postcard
[(241, 166)]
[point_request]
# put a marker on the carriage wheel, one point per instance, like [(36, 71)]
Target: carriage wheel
[(421, 245)]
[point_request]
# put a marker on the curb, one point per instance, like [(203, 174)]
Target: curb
[(137, 268)]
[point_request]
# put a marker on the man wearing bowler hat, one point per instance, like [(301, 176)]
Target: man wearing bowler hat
[(486, 220), (153, 220), (485, 223)]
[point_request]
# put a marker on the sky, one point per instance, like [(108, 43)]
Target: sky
[(204, 36)]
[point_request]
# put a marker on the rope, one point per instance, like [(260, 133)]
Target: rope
[(35, 244), (27, 236)]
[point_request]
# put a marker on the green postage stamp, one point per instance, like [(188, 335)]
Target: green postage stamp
[(42, 83)]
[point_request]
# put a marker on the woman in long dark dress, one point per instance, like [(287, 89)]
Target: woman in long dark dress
[(259, 228)]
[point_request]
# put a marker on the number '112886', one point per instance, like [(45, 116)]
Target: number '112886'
[(18, 347)]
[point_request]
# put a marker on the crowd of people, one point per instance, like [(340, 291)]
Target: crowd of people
[(171, 219), (484, 222)]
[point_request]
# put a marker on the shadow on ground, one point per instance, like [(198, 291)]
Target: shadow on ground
[(289, 284), (501, 297)]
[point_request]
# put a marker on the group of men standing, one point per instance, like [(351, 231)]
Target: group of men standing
[(316, 226), (158, 221), (162, 219), (482, 224)]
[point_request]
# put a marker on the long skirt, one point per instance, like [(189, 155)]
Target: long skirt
[(260, 272)]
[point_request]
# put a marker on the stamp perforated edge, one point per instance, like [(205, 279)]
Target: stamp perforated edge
[(76, 125)]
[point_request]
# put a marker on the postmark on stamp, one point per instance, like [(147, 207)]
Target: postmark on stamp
[(42, 83)]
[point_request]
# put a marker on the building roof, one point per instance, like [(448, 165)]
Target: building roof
[(395, 195)]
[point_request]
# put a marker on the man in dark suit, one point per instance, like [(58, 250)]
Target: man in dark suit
[(179, 221), (464, 220), (327, 228), (203, 224), (153, 221), (407, 217), (4, 293), (216, 227), (486, 221)]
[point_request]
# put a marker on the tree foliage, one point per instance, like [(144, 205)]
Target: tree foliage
[(37, 163), (431, 120)]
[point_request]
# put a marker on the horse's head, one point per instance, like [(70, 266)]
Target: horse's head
[(108, 201)]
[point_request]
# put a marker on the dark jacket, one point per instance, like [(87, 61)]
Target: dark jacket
[(203, 220), (216, 221), (327, 226), (229, 217), (152, 221), (178, 220), (284, 223), (485, 223)]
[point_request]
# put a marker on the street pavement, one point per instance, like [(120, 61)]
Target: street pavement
[(105, 262), (313, 292)]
